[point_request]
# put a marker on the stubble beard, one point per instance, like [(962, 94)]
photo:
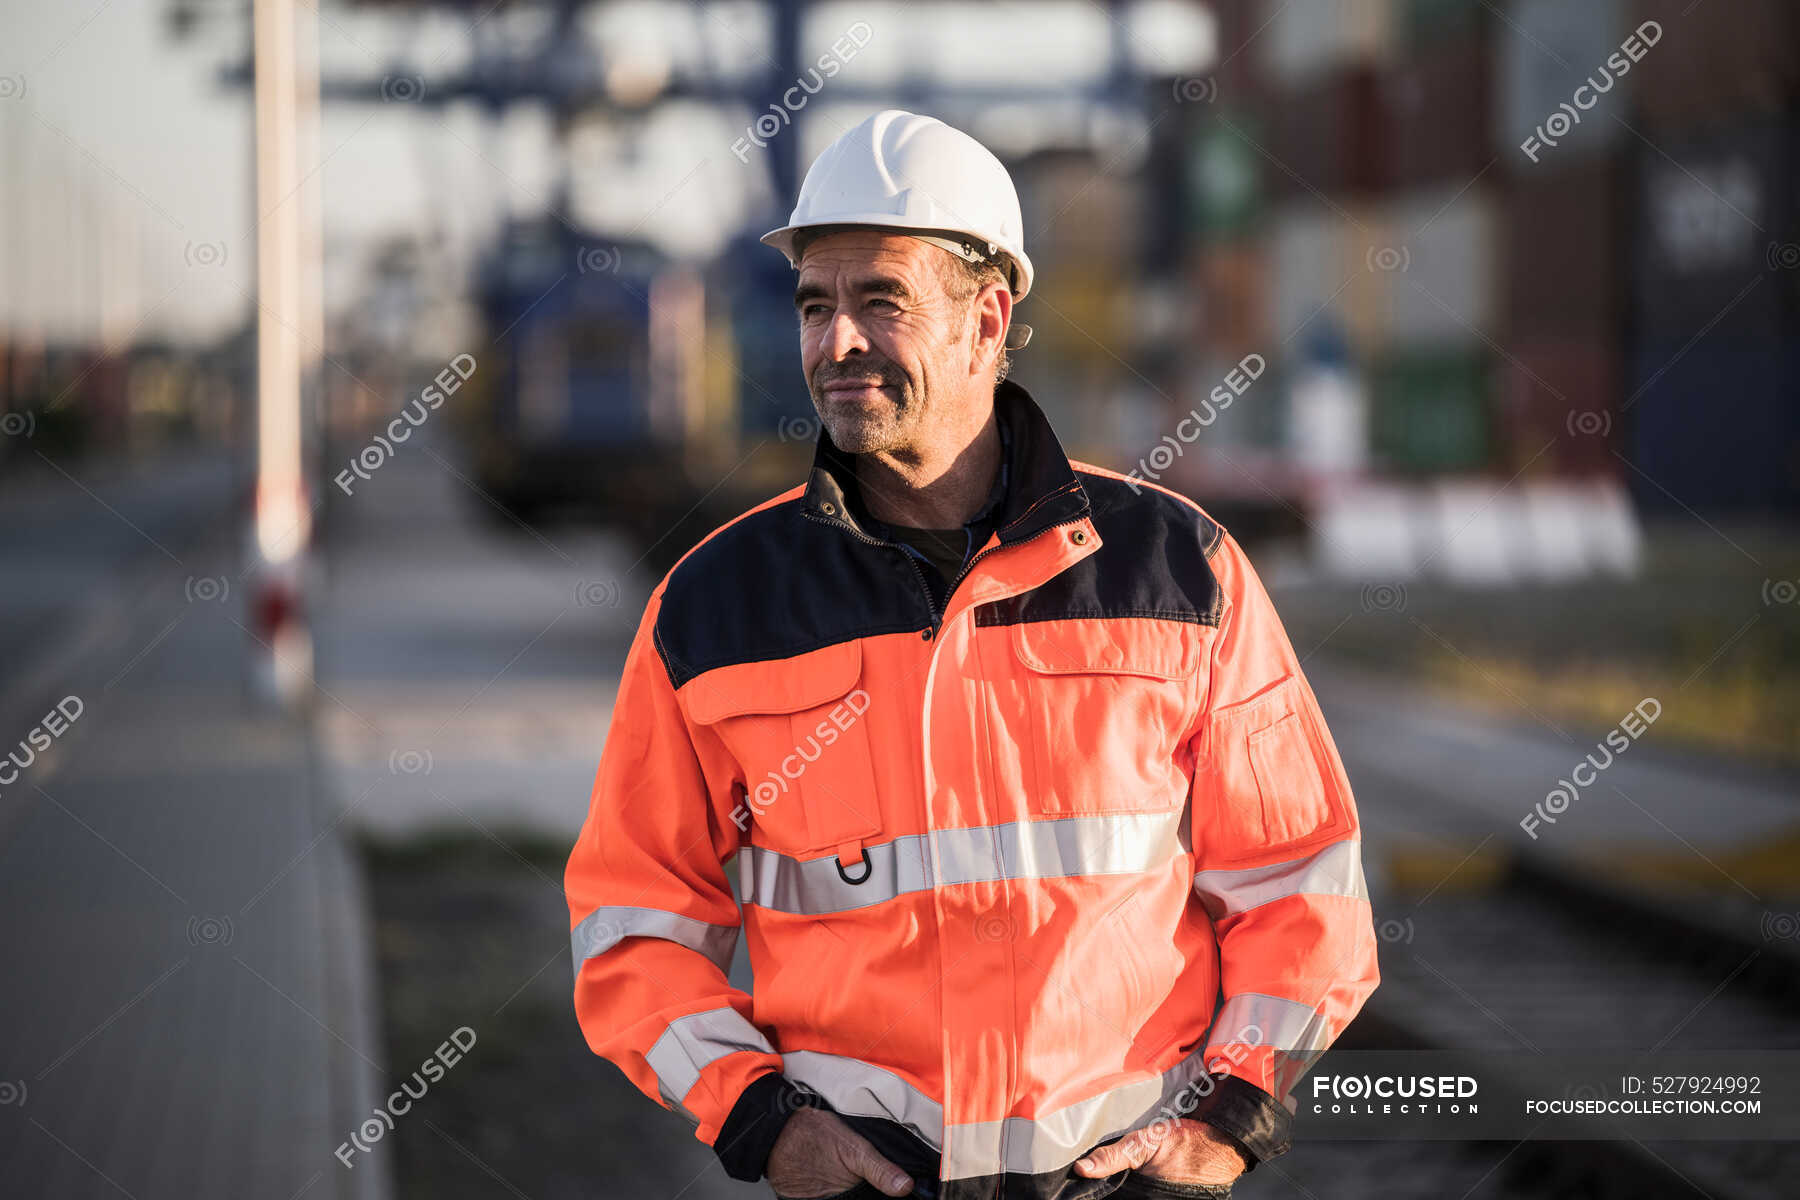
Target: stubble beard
[(859, 428)]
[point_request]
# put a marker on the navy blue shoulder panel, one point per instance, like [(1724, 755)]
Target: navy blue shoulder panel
[(777, 583), (1153, 561)]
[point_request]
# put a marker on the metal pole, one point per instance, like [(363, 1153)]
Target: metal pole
[(286, 293), (282, 516)]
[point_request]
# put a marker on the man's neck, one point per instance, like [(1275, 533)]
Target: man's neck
[(931, 487)]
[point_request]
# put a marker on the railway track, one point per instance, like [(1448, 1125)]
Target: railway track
[(1548, 958)]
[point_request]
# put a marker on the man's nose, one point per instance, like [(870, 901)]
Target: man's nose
[(841, 337)]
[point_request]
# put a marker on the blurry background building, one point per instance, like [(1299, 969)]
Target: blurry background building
[(1337, 186)]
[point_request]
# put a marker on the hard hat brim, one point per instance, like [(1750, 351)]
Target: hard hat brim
[(782, 239)]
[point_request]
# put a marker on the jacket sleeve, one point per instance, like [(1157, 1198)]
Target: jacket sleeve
[(1278, 868), (654, 925)]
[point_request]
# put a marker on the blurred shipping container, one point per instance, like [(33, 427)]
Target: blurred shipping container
[(1254, 417), (1547, 50), (1234, 302), (1715, 66), (1715, 426), (1716, 223), (1308, 251), (1223, 178), (1559, 406), (1169, 226), (1331, 135), (1328, 266), (1239, 71), (1374, 259), (1425, 23), (1305, 38), (1439, 103), (1444, 255), (1561, 246), (1431, 411), (1078, 212), (1087, 307)]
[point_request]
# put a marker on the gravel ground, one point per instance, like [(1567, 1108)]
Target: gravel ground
[(469, 933)]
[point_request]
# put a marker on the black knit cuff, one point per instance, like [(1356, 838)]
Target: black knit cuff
[(755, 1122), (1259, 1124)]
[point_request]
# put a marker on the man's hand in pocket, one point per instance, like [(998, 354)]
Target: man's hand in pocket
[(818, 1155), (1180, 1151)]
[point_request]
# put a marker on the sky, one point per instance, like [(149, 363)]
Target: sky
[(126, 183)]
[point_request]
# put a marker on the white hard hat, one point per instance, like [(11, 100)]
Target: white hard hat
[(914, 174)]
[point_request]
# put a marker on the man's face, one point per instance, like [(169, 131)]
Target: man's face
[(886, 349)]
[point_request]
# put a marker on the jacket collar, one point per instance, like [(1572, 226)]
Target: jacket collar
[(1042, 488)]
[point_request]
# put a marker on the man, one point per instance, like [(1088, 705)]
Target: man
[(1049, 867)]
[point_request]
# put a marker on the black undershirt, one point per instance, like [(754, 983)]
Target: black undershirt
[(945, 550)]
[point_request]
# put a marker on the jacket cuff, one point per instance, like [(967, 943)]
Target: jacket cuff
[(755, 1121), (1259, 1124)]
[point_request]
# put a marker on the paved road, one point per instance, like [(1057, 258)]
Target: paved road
[(472, 660), (1437, 770), (471, 665), (187, 1011)]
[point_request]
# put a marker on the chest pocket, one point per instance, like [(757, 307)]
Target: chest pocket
[(795, 728), (1106, 703)]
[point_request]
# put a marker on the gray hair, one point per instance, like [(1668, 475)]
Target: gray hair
[(967, 281)]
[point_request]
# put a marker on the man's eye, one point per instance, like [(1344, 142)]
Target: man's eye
[(881, 305), (809, 311)]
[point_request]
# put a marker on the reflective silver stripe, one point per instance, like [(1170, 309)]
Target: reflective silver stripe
[(1297, 1032), (772, 880), (863, 1089), (690, 1043), (1054, 1140), (1255, 1019), (1334, 871), (1112, 844), (1290, 1067), (1108, 844), (1021, 1144), (609, 925)]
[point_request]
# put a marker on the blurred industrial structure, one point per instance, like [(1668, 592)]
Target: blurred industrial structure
[(1351, 192)]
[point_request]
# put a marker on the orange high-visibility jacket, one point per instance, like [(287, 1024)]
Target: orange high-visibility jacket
[(1073, 855)]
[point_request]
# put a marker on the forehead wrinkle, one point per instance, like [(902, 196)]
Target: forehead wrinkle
[(872, 284)]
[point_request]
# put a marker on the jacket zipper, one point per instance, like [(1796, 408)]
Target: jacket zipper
[(949, 594), (981, 554), (937, 614), (911, 561)]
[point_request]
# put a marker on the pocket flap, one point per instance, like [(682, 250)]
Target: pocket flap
[(783, 685), (1273, 786), (1152, 647)]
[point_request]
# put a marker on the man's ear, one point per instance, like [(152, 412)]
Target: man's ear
[(993, 315)]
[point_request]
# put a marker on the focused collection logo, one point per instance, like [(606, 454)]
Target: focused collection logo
[(1402, 1095)]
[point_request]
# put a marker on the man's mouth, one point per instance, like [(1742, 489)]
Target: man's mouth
[(851, 389)]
